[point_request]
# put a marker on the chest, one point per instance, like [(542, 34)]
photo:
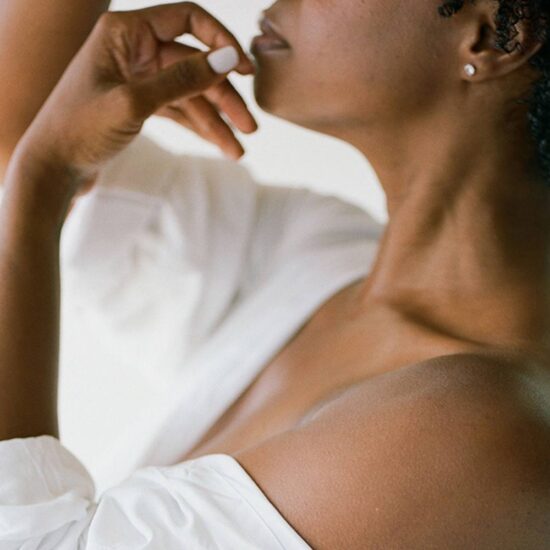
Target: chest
[(331, 352)]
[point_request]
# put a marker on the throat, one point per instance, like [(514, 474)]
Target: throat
[(476, 273)]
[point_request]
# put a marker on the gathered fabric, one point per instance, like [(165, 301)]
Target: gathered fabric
[(189, 272)]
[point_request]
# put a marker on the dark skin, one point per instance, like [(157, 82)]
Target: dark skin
[(62, 31), (438, 438)]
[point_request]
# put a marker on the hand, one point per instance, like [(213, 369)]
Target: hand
[(200, 114), (128, 69)]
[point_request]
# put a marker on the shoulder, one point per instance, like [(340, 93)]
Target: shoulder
[(503, 389), (427, 456)]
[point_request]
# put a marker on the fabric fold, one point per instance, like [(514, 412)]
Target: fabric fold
[(182, 276), (47, 502)]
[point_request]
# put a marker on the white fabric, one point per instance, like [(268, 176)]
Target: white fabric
[(46, 502), (230, 269)]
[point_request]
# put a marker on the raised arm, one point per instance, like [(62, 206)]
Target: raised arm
[(96, 110), (37, 41)]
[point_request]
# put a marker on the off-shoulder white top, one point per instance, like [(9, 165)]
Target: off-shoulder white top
[(197, 275)]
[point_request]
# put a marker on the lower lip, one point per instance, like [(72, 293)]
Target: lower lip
[(263, 43)]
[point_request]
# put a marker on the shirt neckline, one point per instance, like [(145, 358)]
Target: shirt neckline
[(232, 473)]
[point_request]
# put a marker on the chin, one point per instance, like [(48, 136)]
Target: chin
[(276, 98), (264, 94), (273, 97)]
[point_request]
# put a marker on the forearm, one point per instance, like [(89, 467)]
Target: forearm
[(37, 42), (30, 226)]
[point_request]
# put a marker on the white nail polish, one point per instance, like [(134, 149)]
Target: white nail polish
[(224, 59)]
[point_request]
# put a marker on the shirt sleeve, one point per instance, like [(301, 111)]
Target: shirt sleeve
[(155, 257), (298, 228), (47, 502), (161, 241)]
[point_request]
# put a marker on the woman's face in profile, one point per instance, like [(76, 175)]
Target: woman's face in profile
[(355, 62)]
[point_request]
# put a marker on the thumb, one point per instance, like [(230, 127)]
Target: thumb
[(191, 76)]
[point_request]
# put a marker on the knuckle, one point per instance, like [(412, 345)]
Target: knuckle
[(191, 5), (108, 19), (187, 75), (111, 23)]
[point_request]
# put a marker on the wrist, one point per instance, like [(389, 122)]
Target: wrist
[(40, 187)]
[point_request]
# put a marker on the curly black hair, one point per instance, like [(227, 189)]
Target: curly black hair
[(537, 14)]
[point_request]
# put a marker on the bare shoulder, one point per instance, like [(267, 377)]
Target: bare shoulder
[(510, 384), (449, 453)]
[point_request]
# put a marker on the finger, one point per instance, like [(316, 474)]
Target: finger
[(169, 21), (203, 118), (224, 96), (212, 127), (227, 99), (172, 52), (173, 113), (185, 79)]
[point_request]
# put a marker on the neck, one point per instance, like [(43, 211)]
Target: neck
[(466, 246)]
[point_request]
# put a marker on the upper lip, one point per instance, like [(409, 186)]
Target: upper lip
[(268, 28)]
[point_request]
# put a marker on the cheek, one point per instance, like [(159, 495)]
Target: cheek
[(345, 64), (328, 54), (375, 66)]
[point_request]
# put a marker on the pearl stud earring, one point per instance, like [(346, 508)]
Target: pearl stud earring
[(470, 69)]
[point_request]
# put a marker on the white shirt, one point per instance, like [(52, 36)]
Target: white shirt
[(196, 275)]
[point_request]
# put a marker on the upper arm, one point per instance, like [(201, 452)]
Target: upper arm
[(383, 468), (37, 42)]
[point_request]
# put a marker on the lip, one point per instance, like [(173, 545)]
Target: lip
[(264, 43), (269, 29)]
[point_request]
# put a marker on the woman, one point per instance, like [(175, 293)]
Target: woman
[(449, 329)]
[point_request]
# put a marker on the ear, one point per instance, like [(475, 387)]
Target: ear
[(480, 48)]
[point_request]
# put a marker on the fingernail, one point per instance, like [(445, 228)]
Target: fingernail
[(224, 59)]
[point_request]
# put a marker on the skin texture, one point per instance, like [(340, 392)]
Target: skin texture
[(60, 31), (119, 84), (445, 452), (467, 220), (32, 75)]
